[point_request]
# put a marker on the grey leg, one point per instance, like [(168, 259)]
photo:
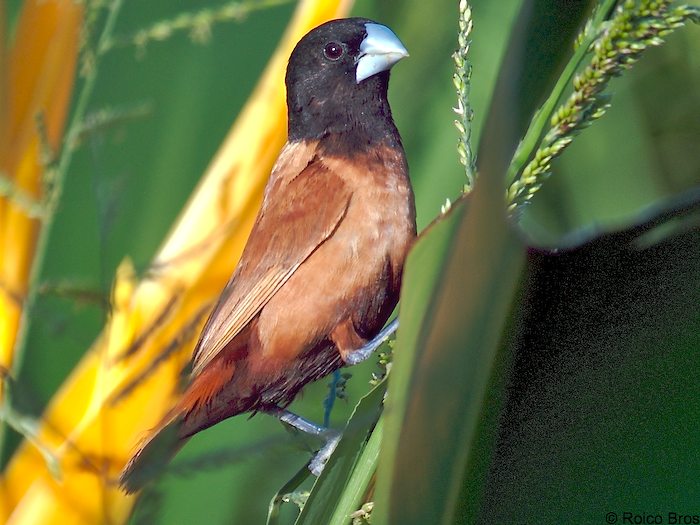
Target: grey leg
[(331, 437)]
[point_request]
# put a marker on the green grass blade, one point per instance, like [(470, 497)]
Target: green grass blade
[(337, 488), (444, 355), (352, 497), (273, 512)]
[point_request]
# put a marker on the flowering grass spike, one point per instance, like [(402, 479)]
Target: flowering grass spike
[(635, 26)]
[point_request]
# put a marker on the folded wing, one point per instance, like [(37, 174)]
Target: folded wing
[(285, 234)]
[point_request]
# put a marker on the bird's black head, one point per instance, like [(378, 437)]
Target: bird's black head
[(337, 81)]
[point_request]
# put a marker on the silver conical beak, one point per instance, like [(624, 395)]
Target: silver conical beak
[(380, 50)]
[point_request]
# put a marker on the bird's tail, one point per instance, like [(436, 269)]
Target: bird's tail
[(199, 407), (153, 453)]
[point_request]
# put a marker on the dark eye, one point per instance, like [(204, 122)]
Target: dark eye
[(333, 51)]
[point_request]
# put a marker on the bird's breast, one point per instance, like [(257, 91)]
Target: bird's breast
[(356, 272)]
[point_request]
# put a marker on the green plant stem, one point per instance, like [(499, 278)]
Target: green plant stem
[(197, 22), (356, 488), (541, 120), (54, 181), (20, 198), (26, 426)]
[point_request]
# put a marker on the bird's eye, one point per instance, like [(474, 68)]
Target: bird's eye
[(333, 51)]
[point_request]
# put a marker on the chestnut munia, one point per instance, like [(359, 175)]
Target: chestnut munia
[(321, 271)]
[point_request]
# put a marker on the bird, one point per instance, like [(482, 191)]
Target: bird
[(321, 270)]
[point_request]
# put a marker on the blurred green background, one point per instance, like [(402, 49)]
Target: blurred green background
[(128, 183)]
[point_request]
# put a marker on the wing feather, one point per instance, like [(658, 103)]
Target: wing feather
[(299, 213)]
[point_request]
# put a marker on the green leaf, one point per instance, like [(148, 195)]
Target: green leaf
[(338, 491), (444, 355), (454, 318), (356, 489), (602, 412), (278, 499)]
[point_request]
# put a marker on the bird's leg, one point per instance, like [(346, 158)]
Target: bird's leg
[(330, 436), (360, 354)]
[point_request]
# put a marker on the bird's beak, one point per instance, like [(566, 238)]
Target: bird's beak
[(380, 50)]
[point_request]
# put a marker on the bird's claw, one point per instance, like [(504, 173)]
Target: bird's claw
[(318, 462)]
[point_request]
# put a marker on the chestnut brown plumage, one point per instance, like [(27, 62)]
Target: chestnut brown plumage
[(321, 270)]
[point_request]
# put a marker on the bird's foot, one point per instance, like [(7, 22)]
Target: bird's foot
[(318, 462), (331, 437)]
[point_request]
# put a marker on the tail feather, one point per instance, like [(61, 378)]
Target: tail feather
[(194, 411), (153, 454)]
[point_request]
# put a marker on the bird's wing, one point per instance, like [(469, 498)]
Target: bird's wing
[(296, 218)]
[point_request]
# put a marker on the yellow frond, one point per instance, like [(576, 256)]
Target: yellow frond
[(38, 80)]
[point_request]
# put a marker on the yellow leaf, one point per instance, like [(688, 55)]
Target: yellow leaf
[(38, 79)]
